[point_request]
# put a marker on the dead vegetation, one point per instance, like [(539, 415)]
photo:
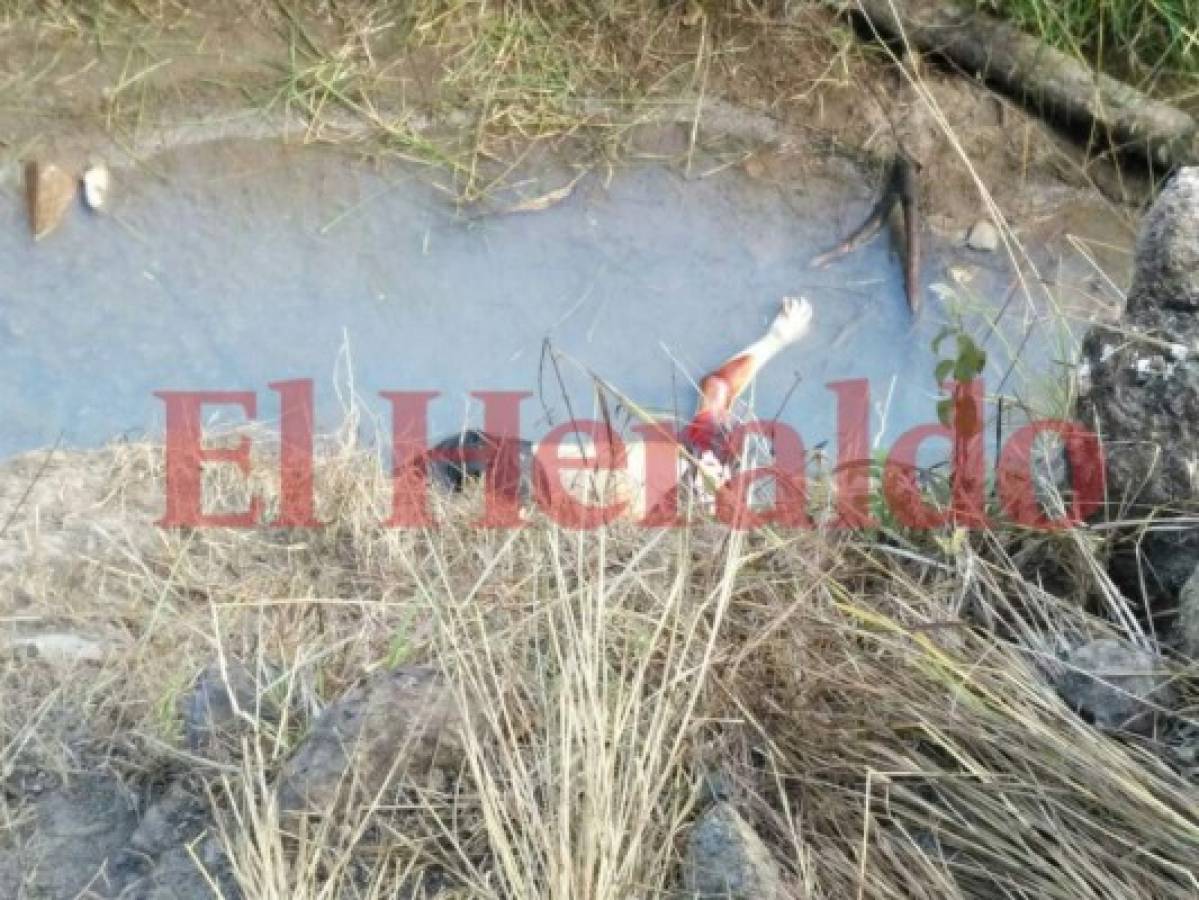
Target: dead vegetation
[(880, 706), (485, 91)]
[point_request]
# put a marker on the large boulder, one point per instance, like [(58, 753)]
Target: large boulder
[(1143, 401)]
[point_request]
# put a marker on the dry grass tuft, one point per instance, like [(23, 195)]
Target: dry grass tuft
[(880, 705)]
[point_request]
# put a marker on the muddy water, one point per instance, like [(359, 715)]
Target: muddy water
[(226, 267)]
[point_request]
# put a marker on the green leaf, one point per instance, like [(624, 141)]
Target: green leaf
[(971, 359), (945, 411)]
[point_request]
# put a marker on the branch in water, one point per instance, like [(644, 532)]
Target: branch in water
[(899, 187)]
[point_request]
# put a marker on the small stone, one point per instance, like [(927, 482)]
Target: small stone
[(1188, 617), (76, 830), (983, 236), (59, 647), (175, 817), (405, 722), (96, 182), (725, 858), (223, 704), (49, 192), (1115, 684)]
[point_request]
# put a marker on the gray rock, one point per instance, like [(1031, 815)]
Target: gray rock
[(75, 832), (1143, 401), (177, 874), (405, 722), (85, 840), (175, 817), (725, 858), (983, 236), (1188, 616), (1167, 254), (174, 852), (1114, 684), (224, 704)]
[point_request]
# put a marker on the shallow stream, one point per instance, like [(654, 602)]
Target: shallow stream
[(227, 266)]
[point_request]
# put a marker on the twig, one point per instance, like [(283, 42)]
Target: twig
[(32, 483), (899, 187)]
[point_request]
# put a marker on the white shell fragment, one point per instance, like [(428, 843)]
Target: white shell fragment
[(95, 185), (983, 236)]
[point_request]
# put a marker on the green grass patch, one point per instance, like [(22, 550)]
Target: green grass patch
[(1141, 37)]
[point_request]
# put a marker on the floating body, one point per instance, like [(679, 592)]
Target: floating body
[(461, 458)]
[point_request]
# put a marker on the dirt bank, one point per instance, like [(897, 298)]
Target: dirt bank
[(478, 90)]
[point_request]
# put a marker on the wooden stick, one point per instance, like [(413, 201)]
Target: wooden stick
[(909, 195), (899, 186), (873, 224)]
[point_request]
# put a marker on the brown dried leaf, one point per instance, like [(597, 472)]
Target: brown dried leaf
[(545, 201), (49, 192)]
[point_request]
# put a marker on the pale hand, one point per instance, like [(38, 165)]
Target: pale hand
[(793, 321)]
